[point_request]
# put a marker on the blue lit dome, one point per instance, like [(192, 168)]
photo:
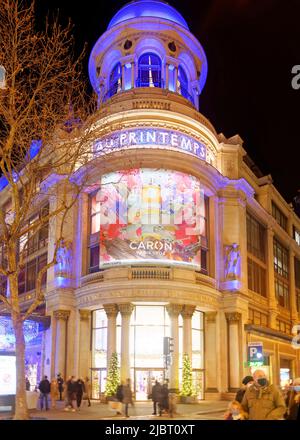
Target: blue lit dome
[(148, 8)]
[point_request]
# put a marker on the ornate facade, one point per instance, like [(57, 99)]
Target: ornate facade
[(130, 273)]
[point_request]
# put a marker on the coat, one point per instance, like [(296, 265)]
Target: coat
[(240, 394), (54, 389), (156, 392), (127, 394), (264, 403), (44, 386), (293, 406), (88, 389)]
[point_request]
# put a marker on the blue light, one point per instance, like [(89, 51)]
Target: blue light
[(3, 182), (148, 8), (34, 149)]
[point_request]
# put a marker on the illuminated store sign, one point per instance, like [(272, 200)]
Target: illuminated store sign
[(149, 215), (135, 138)]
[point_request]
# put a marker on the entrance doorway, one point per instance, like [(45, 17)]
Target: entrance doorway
[(98, 382), (144, 381)]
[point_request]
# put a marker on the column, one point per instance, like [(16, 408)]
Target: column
[(61, 317), (176, 79), (125, 310), (167, 76), (292, 288), (123, 76), (187, 313), (111, 313), (271, 279), (233, 320), (211, 379), (84, 343), (173, 311), (132, 74)]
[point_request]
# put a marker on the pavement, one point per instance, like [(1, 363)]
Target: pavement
[(204, 410)]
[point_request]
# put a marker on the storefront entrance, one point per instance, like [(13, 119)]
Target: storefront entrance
[(98, 382), (144, 380)]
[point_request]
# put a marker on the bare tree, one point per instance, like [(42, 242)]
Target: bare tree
[(46, 126)]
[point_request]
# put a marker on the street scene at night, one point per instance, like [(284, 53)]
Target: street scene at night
[(150, 214)]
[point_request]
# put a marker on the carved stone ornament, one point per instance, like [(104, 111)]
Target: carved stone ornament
[(174, 310), (187, 311), (232, 261), (111, 310), (84, 314), (210, 317), (126, 309), (61, 314), (233, 317)]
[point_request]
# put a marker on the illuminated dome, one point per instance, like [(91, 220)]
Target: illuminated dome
[(148, 8)]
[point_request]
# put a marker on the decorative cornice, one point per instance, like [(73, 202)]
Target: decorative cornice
[(111, 310), (61, 314), (174, 310), (233, 317)]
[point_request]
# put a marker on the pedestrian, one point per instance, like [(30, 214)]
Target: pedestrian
[(119, 397), (293, 401), (44, 388), (263, 401), (80, 389), (27, 384), (172, 404), (60, 383), (164, 399), (155, 395), (235, 412), (88, 390), (53, 392), (127, 396), (246, 383), (71, 393)]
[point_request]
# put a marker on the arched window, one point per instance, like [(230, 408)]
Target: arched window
[(149, 71), (115, 80), (183, 84)]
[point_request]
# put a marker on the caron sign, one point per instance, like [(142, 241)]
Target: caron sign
[(149, 215), (143, 137)]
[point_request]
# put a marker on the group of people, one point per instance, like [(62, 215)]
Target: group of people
[(163, 400), (72, 391), (259, 400)]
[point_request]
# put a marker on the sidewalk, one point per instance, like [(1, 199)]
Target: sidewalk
[(205, 410)]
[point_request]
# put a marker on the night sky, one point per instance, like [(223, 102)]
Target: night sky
[(251, 47)]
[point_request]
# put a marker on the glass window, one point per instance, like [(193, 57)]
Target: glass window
[(256, 278), (115, 80), (255, 238), (31, 275), (149, 71), (282, 293), (94, 259), (280, 259), (297, 236), (183, 84), (279, 216)]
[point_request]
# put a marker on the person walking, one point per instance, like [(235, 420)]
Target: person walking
[(88, 390), (246, 383), (60, 383), (293, 401), (164, 399), (27, 384), (263, 401), (53, 392), (44, 388), (155, 394), (119, 397), (127, 396), (71, 393), (80, 389)]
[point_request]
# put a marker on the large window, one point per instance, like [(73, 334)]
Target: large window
[(115, 80), (35, 239), (183, 84), (27, 277), (149, 71), (145, 215), (279, 216), (256, 256), (281, 270), (297, 236)]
